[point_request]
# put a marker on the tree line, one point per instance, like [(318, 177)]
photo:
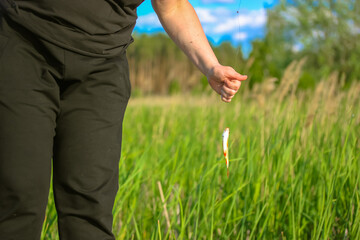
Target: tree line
[(325, 33)]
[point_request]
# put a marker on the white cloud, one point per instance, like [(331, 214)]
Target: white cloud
[(297, 47), (218, 23), (148, 21), (218, 1), (205, 15), (252, 19), (240, 36)]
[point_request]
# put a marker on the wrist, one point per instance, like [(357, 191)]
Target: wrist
[(211, 67)]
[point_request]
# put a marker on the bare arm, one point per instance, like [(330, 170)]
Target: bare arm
[(182, 24)]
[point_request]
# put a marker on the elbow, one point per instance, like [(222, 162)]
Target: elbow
[(159, 4), (166, 6)]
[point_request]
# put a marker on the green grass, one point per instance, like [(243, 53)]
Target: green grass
[(294, 169)]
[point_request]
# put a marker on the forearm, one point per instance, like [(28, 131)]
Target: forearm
[(180, 21)]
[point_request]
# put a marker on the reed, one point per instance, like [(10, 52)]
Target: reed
[(294, 164)]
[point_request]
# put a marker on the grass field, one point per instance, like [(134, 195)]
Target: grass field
[(294, 166)]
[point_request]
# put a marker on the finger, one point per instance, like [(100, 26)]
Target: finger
[(227, 100), (234, 85), (227, 92), (233, 75)]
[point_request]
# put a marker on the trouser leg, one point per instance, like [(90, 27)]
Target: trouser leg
[(87, 146), (28, 107)]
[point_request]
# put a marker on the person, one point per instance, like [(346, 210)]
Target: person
[(64, 87)]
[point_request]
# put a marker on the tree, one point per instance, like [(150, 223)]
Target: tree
[(326, 32)]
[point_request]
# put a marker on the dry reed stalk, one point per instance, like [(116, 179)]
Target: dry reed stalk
[(164, 205), (249, 63), (332, 93), (353, 95), (290, 79), (286, 81), (156, 74)]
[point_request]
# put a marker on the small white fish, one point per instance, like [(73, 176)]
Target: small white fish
[(225, 142)]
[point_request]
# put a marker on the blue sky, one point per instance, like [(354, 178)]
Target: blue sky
[(237, 21)]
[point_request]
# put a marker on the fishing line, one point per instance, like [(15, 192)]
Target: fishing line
[(237, 37)]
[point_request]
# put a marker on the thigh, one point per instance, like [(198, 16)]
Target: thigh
[(87, 148), (87, 144), (27, 126), (89, 126), (28, 109)]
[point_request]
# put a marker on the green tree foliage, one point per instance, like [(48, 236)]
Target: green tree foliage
[(230, 56), (326, 32), (272, 54)]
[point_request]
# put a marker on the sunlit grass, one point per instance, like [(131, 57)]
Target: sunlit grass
[(294, 167)]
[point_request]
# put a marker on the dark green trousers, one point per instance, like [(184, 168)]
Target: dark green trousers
[(61, 106)]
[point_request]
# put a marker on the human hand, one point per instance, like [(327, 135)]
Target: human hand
[(225, 81)]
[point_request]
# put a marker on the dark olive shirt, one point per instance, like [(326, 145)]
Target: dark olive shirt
[(91, 27)]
